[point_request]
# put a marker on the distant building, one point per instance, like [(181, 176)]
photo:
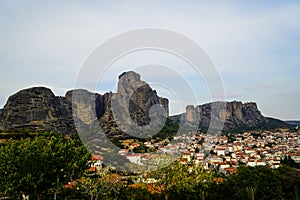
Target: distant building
[(135, 158)]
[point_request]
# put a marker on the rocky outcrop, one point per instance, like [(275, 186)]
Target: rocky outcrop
[(137, 97), (190, 113), (234, 114), (135, 107), (37, 108)]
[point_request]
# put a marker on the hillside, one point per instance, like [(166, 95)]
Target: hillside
[(297, 123)]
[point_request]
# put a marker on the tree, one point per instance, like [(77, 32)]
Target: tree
[(290, 162), (183, 181), (104, 186), (290, 179), (32, 166), (253, 182)]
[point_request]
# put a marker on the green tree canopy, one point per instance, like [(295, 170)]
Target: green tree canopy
[(32, 166), (183, 181), (253, 182)]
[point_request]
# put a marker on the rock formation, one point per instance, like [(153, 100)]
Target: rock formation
[(190, 113), (234, 114), (135, 104), (39, 109), (132, 106), (138, 97)]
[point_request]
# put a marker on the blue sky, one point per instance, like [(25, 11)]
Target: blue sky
[(254, 45)]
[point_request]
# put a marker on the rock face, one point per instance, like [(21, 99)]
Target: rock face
[(37, 108), (234, 114), (135, 103), (132, 106), (139, 97), (190, 113)]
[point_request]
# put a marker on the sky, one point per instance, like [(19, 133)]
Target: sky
[(254, 45)]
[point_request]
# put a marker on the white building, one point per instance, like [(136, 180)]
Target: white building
[(135, 158)]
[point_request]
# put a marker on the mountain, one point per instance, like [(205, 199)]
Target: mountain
[(293, 122), (38, 108), (1, 110), (135, 108), (126, 111), (237, 116), (131, 107)]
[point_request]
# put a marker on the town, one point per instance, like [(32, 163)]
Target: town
[(223, 153)]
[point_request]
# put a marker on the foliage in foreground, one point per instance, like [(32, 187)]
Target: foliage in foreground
[(45, 163), (178, 181), (33, 166)]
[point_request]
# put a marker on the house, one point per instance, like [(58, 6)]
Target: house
[(224, 165), (219, 180), (92, 171), (200, 154), (187, 156), (251, 163), (135, 158), (227, 158), (230, 170), (248, 150), (70, 184), (229, 149), (97, 161), (133, 145), (220, 151), (150, 180), (199, 158), (123, 152), (97, 157), (260, 163), (183, 160)]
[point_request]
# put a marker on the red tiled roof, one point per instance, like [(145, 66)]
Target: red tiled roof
[(97, 157), (92, 169), (231, 170), (134, 155), (70, 185), (218, 180)]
